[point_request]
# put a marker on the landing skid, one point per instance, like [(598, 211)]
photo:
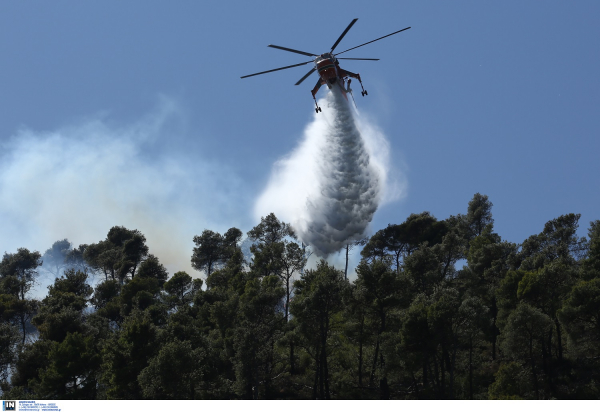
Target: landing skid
[(317, 109)]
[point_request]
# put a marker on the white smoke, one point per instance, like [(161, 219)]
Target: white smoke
[(330, 186), (79, 181)]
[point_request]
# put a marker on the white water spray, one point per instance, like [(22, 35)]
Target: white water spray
[(331, 185)]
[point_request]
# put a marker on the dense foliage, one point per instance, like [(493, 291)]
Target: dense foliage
[(513, 321)]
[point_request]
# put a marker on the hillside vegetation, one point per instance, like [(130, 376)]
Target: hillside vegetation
[(516, 321)]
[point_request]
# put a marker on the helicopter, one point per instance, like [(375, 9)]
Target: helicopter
[(328, 67)]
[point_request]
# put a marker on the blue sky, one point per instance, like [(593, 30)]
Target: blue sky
[(499, 98)]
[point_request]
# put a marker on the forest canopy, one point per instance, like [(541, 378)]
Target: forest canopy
[(515, 321)]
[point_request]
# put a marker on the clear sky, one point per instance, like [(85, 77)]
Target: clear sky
[(501, 98)]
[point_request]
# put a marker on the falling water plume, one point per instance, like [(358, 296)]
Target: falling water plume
[(331, 185)]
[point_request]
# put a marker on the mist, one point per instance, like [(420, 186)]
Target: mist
[(332, 184), (78, 181)]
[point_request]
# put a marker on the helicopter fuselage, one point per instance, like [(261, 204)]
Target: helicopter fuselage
[(330, 73), (328, 68)]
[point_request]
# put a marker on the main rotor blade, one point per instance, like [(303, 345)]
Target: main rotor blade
[(372, 41), (305, 76), (274, 70), (352, 58), (291, 50), (343, 34)]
